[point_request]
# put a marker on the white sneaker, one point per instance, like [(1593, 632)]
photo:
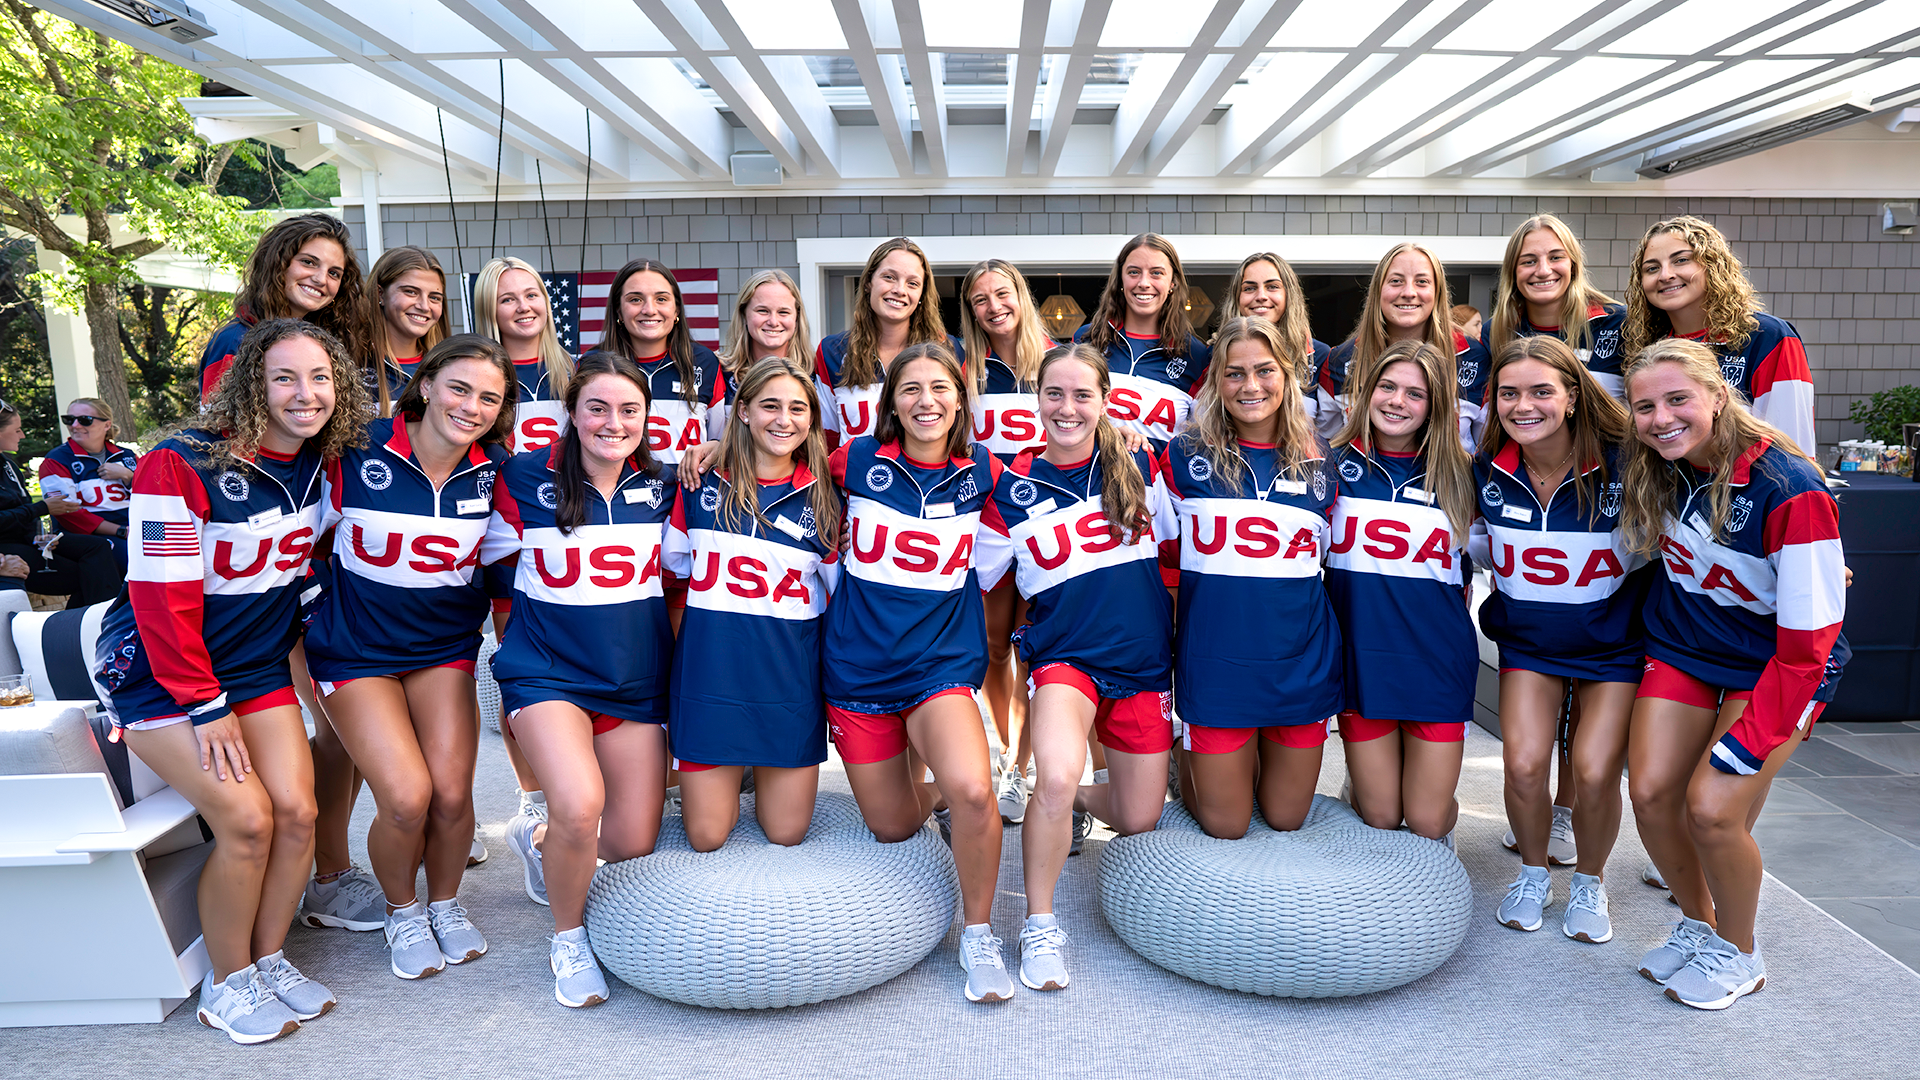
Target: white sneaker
[(1560, 846), (244, 1006), (477, 854), (534, 873), (1042, 965), (1014, 790), (577, 979), (1651, 875), (986, 969)]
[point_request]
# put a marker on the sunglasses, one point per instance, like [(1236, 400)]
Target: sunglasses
[(83, 421)]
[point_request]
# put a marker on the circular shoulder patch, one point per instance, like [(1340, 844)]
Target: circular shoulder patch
[(1199, 468), (234, 486), (548, 495), (709, 499), (1023, 493), (879, 478), (376, 474), (1491, 494), (1351, 471)]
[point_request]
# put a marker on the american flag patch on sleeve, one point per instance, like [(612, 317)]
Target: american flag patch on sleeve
[(162, 539)]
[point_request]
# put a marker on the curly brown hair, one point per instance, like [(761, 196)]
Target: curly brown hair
[(1730, 302), (237, 408), (263, 285)]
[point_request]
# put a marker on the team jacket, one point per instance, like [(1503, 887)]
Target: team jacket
[(1602, 357), (908, 619), (1006, 413), (1759, 608), (1326, 421), (1566, 599), (1258, 644), (851, 411), (589, 616), (540, 414), (1397, 585), (755, 596), (1152, 391), (218, 355), (105, 500), (673, 425), (1472, 365), (216, 554), (1096, 601), (1772, 372), (401, 591)]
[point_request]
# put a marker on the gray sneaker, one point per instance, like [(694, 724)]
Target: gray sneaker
[(1718, 975), (1560, 847), (532, 804), (1586, 916), (244, 1007), (477, 854), (1042, 967), (410, 936), (1527, 898), (1665, 961), (460, 941), (1013, 796), (520, 838), (304, 997), (1652, 876), (943, 818), (352, 901), (1082, 828), (986, 970), (577, 981)]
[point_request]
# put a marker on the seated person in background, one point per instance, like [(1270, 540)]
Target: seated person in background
[(13, 573), (80, 567), (93, 472)]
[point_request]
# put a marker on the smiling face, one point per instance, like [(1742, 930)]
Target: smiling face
[(91, 437), (299, 376), (1071, 404), (648, 312), (778, 418), (1672, 413), (1674, 281), (1398, 408), (410, 307), (772, 315), (1262, 292), (926, 400), (995, 305), (1146, 281), (1252, 382), (1407, 295), (1532, 400), (1542, 272), (313, 277), (11, 430), (463, 400), (521, 311), (611, 417), (896, 288)]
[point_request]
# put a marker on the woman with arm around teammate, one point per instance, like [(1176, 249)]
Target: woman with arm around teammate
[(406, 300), (583, 664), (646, 323), (89, 469), (302, 268), (1565, 606), (1265, 287), (194, 654), (1141, 327), (393, 639), (1397, 578), (1259, 650), (758, 545), (905, 636), (1079, 524), (896, 306), (1741, 626), (1544, 289)]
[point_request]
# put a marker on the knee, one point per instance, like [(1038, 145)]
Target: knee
[(1133, 822), (246, 831), (785, 833), (576, 820), (971, 797), (1653, 796), (451, 802), (998, 650), (1056, 791), (1711, 818), (709, 834), (1529, 775), (1597, 780), (1432, 824), (1222, 826), (407, 810), (894, 829), (293, 821)]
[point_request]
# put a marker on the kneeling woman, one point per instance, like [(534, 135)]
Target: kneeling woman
[(194, 654), (1079, 523), (583, 665), (1741, 626), (756, 543), (1259, 649), (392, 642)]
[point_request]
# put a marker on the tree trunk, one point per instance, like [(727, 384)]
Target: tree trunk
[(109, 361)]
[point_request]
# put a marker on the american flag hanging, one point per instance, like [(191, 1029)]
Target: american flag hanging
[(580, 305)]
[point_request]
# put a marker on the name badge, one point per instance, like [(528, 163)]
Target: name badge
[(1418, 494), (676, 387), (1517, 513), (790, 528), (639, 495), (1041, 508), (265, 518), (1292, 487), (940, 510), (470, 506)]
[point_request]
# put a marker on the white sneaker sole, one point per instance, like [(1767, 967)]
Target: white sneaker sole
[(322, 922), (526, 875), (478, 853), (218, 1024), (419, 974), (1048, 985), (590, 1001), (470, 955), (1751, 986), (988, 997), (1590, 940), (1515, 924)]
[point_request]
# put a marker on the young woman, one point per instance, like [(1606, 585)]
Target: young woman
[(1079, 523), (906, 638), (512, 307), (1265, 287), (1407, 300), (406, 301), (1741, 626), (393, 639), (81, 568), (194, 656), (646, 323), (1004, 343), (896, 306), (1141, 327), (758, 545), (1686, 282), (1565, 606), (1467, 319), (1397, 578), (768, 320), (583, 664), (89, 469), (302, 268), (1259, 650), (1544, 289)]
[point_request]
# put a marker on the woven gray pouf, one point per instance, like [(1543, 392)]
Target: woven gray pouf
[(757, 926), (1332, 910)]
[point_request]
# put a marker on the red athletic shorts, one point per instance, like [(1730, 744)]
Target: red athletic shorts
[(328, 688), (1200, 739), (602, 723), (1357, 728), (1140, 724), (864, 738), (1663, 680)]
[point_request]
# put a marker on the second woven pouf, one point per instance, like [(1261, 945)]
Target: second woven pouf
[(758, 926), (1332, 910)]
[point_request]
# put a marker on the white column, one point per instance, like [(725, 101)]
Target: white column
[(69, 344), (370, 198)]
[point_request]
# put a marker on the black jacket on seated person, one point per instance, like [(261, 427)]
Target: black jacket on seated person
[(86, 572)]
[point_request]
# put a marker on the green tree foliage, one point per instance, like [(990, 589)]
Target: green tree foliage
[(26, 379), (262, 175)]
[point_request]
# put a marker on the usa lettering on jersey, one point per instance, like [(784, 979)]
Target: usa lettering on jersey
[(1558, 567), (1250, 538), (408, 551), (857, 408), (593, 565), (750, 575), (1395, 539), (1148, 406), (1071, 542), (1006, 424), (907, 551)]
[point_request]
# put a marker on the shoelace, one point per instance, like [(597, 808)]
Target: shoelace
[(406, 933), (360, 890), (1042, 940), (1527, 888), (1711, 962), (1585, 898), (283, 976), (248, 998), (982, 949), (448, 920), (1562, 827), (571, 957), (1685, 938), (1010, 785)]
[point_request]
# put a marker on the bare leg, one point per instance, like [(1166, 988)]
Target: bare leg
[(948, 735), (282, 762), (1060, 720), (1431, 776), (446, 723), (379, 731), (1006, 691), (783, 801), (1718, 807), (633, 767), (1666, 741), (1133, 796), (1288, 775), (1218, 789), (710, 804), (1374, 768), (1599, 751), (559, 740), (891, 798), (336, 778), (1529, 713), (522, 770)]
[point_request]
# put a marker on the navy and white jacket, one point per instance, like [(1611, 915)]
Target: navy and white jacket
[(1773, 373), (1397, 582), (1006, 413), (217, 357), (851, 411), (1472, 366), (1759, 608), (1602, 356), (908, 620), (1326, 421), (1097, 602), (756, 600), (589, 615), (673, 425), (1258, 645), (400, 592), (1566, 599), (540, 412), (103, 499), (1153, 391), (216, 556)]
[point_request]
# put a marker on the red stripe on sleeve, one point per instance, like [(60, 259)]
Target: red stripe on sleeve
[(80, 521), (837, 465), (1802, 519), (171, 614), (1786, 363)]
